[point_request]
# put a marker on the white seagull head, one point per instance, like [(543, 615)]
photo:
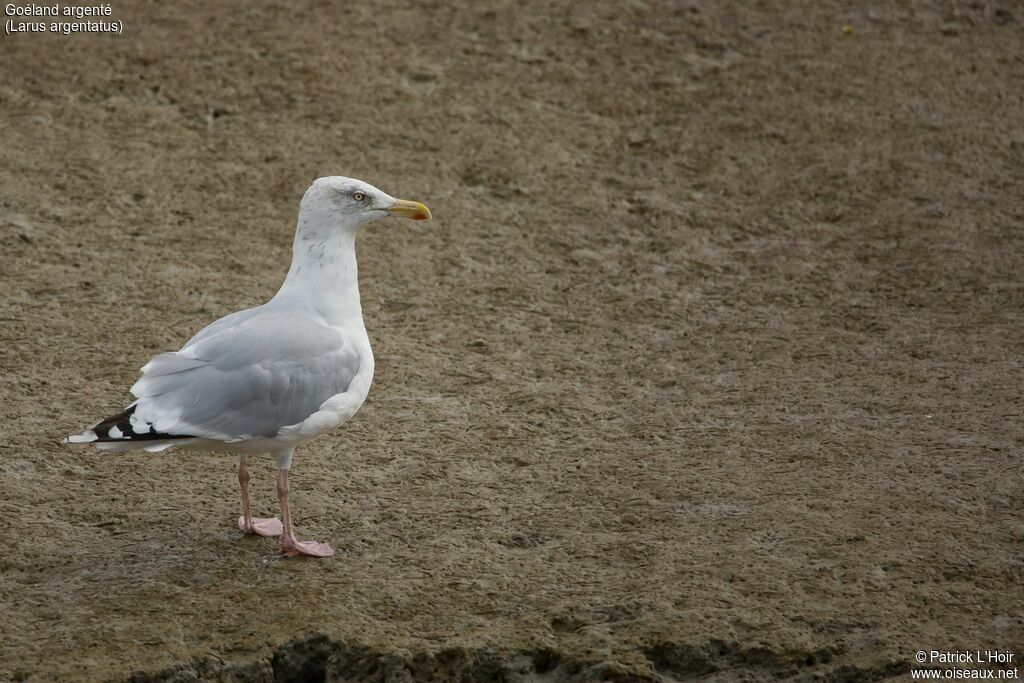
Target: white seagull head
[(337, 202)]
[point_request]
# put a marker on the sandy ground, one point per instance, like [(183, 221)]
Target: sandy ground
[(710, 364)]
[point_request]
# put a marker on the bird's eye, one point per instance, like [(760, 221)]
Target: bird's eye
[(358, 196)]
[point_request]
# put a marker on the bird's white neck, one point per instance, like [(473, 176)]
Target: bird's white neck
[(323, 278)]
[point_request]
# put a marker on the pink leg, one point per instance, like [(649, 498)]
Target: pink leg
[(289, 545), (261, 526)]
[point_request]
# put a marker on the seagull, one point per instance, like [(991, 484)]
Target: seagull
[(269, 378)]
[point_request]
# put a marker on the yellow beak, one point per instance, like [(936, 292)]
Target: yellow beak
[(407, 209)]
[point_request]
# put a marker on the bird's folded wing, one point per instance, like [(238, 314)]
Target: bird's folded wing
[(246, 380)]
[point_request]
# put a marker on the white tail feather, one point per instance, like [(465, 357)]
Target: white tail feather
[(150, 446), (85, 437)]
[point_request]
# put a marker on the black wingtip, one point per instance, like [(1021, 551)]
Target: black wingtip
[(119, 429)]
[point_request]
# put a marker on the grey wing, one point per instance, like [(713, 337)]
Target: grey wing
[(246, 380), (221, 324)]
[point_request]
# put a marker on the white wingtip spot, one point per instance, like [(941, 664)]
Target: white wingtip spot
[(114, 433), (84, 437), (138, 425)]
